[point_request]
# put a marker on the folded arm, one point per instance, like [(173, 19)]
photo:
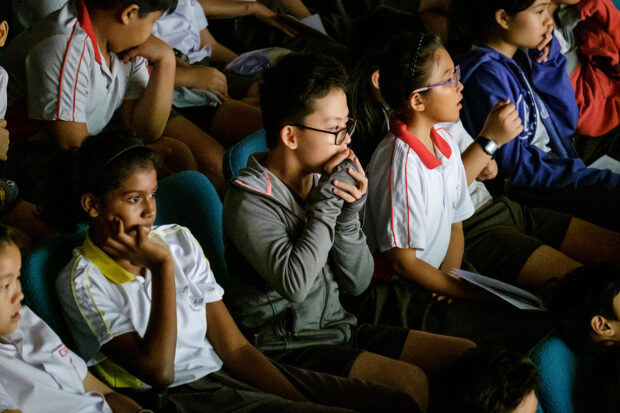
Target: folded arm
[(148, 115)]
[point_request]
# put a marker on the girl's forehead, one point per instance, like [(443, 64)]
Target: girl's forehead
[(139, 178), (443, 63)]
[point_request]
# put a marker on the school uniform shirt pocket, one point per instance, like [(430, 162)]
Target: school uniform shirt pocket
[(65, 372)]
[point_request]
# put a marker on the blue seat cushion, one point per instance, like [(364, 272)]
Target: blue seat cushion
[(557, 365), (236, 157)]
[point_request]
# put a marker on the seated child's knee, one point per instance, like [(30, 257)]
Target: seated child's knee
[(175, 155)]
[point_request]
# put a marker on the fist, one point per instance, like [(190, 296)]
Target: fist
[(503, 123)]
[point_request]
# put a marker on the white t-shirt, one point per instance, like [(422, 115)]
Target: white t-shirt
[(57, 67), (4, 80), (415, 196), (102, 301), (477, 191), (181, 29), (569, 17), (38, 373)]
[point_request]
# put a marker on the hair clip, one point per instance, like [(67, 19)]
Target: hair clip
[(414, 58)]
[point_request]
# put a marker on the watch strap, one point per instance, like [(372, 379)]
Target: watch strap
[(488, 146)]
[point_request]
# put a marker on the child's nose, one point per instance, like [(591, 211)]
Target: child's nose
[(347, 139), (19, 295), (460, 87), (150, 207)]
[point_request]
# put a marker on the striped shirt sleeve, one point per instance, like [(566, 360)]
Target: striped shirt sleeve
[(94, 317), (407, 220), (57, 72)]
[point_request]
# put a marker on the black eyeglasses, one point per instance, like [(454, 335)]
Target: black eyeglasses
[(339, 135)]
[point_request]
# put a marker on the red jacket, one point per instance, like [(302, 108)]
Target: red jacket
[(597, 80)]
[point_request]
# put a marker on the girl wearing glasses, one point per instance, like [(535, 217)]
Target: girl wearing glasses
[(418, 192), (516, 57)]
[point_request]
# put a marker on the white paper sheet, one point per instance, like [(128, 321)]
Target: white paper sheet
[(516, 296), (606, 162), (315, 22)]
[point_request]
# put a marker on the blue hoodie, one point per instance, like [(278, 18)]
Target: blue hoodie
[(489, 77)]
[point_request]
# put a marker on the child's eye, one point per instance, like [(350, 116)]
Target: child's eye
[(134, 199)]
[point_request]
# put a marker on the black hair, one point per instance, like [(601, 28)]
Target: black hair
[(98, 166), (600, 380), (485, 381), (146, 6), (291, 85), (5, 10), (407, 65), (473, 21), (369, 35), (582, 294), (6, 236)]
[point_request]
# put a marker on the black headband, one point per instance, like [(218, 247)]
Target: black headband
[(414, 58), (108, 157)]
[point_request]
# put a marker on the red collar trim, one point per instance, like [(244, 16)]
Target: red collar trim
[(87, 26), (399, 129)]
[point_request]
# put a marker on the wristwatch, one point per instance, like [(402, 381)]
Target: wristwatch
[(488, 146)]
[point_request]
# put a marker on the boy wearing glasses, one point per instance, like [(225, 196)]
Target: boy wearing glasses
[(294, 240)]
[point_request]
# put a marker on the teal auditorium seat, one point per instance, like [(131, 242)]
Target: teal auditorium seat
[(186, 198), (40, 266), (236, 157), (557, 365), (189, 199)]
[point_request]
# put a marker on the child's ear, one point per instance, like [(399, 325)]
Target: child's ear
[(416, 102), (601, 327), (288, 136), (90, 205), (374, 79), (4, 32), (130, 13), (502, 18)]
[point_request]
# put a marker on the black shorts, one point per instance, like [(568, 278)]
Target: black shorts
[(501, 237), (202, 116), (338, 359)]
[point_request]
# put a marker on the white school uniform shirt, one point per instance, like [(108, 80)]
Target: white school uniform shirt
[(58, 68), (415, 196), (477, 191), (4, 80), (181, 29), (38, 373), (102, 301)]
